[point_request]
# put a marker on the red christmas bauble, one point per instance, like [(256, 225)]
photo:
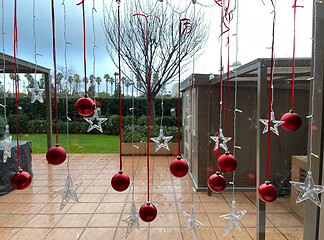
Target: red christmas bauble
[(267, 192), (85, 106), (148, 212), (120, 181), (217, 182), (292, 121), (227, 163), (250, 177), (56, 155), (21, 180), (179, 167)]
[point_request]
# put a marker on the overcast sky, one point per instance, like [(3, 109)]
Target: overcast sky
[(254, 33)]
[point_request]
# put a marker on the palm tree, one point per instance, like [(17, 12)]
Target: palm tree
[(30, 80), (128, 83), (107, 78), (111, 80), (123, 81), (77, 81), (70, 81), (59, 78), (98, 80)]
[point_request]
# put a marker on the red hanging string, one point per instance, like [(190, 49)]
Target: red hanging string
[(120, 104), (293, 60), (148, 105), (16, 79), (55, 79), (84, 47), (179, 65), (270, 91), (220, 86)]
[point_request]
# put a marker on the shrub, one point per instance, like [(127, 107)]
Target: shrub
[(112, 128)]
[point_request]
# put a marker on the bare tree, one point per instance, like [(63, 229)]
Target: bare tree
[(163, 44)]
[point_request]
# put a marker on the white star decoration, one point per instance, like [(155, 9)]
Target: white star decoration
[(131, 220), (95, 118), (308, 190), (232, 219), (274, 129), (68, 192), (161, 141), (193, 224), (223, 139), (6, 144), (36, 93)]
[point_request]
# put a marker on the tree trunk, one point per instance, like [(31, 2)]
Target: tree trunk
[(152, 110)]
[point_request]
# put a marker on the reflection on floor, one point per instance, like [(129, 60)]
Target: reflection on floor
[(34, 213)]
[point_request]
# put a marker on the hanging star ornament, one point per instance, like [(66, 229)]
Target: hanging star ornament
[(6, 144), (162, 141), (232, 219), (131, 220), (68, 192), (36, 92), (95, 121), (308, 190), (276, 123), (193, 224), (224, 140)]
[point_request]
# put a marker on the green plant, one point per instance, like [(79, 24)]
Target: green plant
[(112, 128)]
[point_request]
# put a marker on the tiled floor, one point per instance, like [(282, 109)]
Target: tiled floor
[(34, 213)]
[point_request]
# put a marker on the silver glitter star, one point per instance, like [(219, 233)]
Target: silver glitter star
[(96, 118), (6, 144), (68, 192), (223, 139), (161, 141), (232, 219), (308, 190), (274, 129), (36, 92), (193, 224), (131, 220)]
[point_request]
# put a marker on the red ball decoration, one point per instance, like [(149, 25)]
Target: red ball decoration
[(21, 180), (292, 121), (267, 192), (56, 155), (120, 181), (179, 167), (217, 182), (85, 106), (148, 212), (250, 177), (227, 163)]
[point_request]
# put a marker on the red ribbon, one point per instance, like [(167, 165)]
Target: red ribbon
[(84, 47), (55, 79), (148, 105)]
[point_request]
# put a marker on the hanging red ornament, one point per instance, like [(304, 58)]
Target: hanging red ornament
[(148, 212), (217, 182), (292, 121), (120, 181), (21, 180), (267, 192), (250, 177), (56, 155), (179, 167), (85, 106), (227, 163)]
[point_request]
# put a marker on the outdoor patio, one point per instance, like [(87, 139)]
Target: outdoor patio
[(34, 213)]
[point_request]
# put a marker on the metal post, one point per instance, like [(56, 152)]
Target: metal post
[(261, 146), (48, 110), (314, 216)]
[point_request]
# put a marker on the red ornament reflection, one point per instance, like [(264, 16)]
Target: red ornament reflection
[(250, 177)]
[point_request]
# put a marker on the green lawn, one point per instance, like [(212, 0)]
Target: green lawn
[(79, 143)]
